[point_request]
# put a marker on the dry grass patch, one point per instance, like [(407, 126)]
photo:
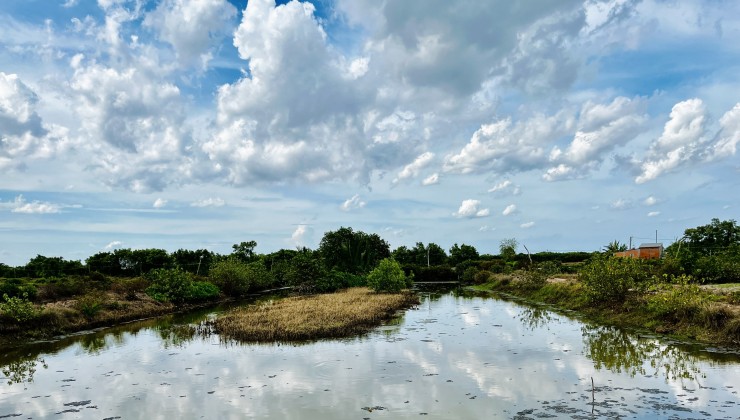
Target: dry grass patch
[(342, 314)]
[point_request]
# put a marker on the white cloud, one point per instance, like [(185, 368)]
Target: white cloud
[(70, 3), (527, 225), (355, 202), (653, 214), (650, 201), (486, 228), (500, 186), (113, 245), (471, 208), (301, 235), (601, 128), (511, 208), (621, 204), (681, 142), (503, 147), (432, 179), (729, 135), (412, 169), (20, 205), (192, 27), (159, 203), (209, 202)]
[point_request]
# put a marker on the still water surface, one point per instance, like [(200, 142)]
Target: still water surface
[(455, 356)]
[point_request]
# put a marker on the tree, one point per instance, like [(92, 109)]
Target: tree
[(614, 246), (462, 253), (352, 252), (388, 276), (714, 237), (195, 262), (244, 251), (507, 249)]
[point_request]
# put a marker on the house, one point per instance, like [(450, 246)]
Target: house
[(647, 251)]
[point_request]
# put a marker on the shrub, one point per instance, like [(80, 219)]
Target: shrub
[(236, 278), (609, 279), (387, 277), (202, 290), (534, 278), (169, 285), (468, 275), (17, 287), (306, 271), (19, 308), (682, 301), (482, 276)]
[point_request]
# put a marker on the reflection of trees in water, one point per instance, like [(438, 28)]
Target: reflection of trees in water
[(534, 317), (93, 343), (22, 370), (176, 335), (618, 351)]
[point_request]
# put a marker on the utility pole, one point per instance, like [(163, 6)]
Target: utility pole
[(429, 245)]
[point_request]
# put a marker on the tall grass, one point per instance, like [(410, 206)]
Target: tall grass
[(342, 314)]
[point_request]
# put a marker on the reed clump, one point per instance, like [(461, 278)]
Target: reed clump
[(341, 314)]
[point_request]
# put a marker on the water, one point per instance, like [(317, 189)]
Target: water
[(452, 357)]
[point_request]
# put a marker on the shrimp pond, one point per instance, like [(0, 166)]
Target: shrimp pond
[(456, 355)]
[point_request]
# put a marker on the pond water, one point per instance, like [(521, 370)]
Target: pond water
[(454, 356)]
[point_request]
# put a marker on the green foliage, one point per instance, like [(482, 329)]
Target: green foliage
[(431, 274), (244, 251), (535, 277), (336, 280), (507, 249), (352, 252), (614, 246), (17, 288), (609, 279), (41, 266), (305, 271), (169, 285), (468, 275), (18, 308), (236, 278), (422, 255), (676, 301), (462, 253), (482, 276), (196, 262), (202, 290), (714, 237), (388, 276)]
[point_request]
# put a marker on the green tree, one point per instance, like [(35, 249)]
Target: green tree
[(507, 249), (244, 251), (388, 276), (236, 278), (462, 253), (613, 247), (352, 252), (196, 262), (305, 270)]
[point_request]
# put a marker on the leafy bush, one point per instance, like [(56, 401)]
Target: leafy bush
[(534, 278), (169, 285), (609, 279), (306, 271), (236, 278), (679, 301), (17, 287), (431, 274), (483, 276), (202, 290), (387, 277), (335, 280), (19, 308), (468, 275)]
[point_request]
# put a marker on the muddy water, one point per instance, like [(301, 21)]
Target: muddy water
[(452, 357)]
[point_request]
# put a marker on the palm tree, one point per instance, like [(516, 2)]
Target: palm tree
[(614, 246)]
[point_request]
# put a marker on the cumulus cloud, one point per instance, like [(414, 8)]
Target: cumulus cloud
[(728, 137), (600, 129), (471, 208), (355, 202), (159, 203), (504, 146), (431, 179), (209, 202), (412, 169), (192, 27), (21, 205), (681, 142), (500, 186), (510, 209)]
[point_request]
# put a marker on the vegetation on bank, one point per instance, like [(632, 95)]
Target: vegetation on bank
[(56, 295), (342, 314)]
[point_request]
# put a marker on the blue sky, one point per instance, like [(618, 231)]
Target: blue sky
[(203, 123)]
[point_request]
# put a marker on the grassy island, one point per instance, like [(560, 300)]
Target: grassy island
[(341, 314)]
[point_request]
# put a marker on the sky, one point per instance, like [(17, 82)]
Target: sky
[(199, 124)]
